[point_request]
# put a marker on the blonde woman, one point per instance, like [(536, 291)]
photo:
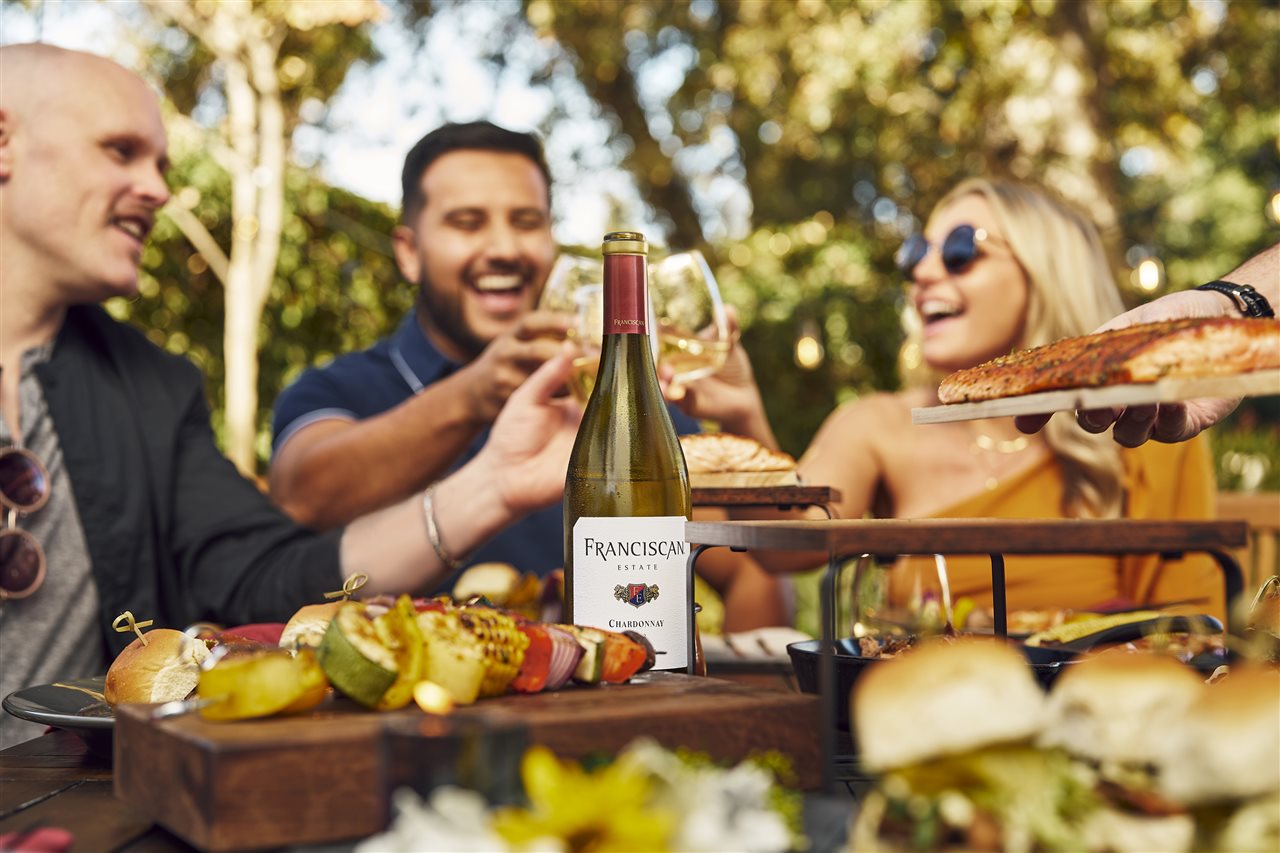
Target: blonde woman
[(1002, 266)]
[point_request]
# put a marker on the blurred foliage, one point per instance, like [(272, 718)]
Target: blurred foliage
[(1157, 118), (1247, 447)]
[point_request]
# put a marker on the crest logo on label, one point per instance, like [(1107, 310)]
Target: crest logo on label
[(636, 594)]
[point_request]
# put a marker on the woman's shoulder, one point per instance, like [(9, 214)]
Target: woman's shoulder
[(869, 421), (883, 408)]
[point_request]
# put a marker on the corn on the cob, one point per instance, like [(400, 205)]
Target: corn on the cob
[(482, 634), (503, 645)]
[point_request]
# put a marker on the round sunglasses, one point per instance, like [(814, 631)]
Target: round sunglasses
[(958, 249), (24, 488)]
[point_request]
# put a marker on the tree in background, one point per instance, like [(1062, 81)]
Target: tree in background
[(266, 61)]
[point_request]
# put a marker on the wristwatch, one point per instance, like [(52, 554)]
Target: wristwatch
[(1250, 302)]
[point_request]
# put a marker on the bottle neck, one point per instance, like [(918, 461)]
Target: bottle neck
[(626, 298)]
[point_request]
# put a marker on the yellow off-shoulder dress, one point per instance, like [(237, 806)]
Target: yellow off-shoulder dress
[(1162, 481)]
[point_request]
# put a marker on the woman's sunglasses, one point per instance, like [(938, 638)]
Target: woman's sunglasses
[(959, 249), (24, 488)]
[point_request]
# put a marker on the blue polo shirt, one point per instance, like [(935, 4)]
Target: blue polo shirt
[(362, 384)]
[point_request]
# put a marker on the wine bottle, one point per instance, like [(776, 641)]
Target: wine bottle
[(626, 495)]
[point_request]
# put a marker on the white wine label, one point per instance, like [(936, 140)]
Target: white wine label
[(629, 574)]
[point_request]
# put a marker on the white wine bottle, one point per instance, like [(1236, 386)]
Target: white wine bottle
[(626, 497)]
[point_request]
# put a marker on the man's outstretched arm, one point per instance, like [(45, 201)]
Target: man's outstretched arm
[(336, 469), (1172, 422)]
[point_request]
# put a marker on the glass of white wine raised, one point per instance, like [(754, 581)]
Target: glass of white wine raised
[(587, 332), (575, 286), (692, 325)]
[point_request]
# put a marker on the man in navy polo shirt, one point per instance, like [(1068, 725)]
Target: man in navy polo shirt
[(374, 427)]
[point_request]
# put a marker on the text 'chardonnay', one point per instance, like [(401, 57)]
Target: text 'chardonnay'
[(626, 496)]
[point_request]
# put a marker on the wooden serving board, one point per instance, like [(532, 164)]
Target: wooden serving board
[(1261, 383), (327, 775), (778, 496)]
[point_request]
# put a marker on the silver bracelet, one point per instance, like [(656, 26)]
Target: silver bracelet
[(433, 532)]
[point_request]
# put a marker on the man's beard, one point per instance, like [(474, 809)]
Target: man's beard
[(445, 316)]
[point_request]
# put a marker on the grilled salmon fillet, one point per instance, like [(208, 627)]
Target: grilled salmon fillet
[(1195, 347)]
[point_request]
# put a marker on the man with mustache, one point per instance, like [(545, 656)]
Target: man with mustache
[(140, 511)]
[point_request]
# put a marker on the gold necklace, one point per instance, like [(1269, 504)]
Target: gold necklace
[(983, 443)]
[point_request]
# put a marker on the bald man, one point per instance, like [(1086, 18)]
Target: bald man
[(140, 511)]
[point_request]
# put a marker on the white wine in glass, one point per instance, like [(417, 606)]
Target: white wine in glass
[(587, 332), (574, 286), (693, 329), (569, 274)]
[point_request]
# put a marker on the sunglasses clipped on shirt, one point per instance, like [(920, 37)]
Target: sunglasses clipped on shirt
[(958, 249), (24, 488)]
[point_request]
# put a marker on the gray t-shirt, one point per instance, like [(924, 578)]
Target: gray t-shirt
[(52, 635)]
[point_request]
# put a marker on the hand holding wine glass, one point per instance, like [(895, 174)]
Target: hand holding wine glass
[(730, 396), (569, 274), (587, 333), (574, 288), (693, 327), (706, 370)]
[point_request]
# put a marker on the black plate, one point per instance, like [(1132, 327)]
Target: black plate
[(76, 705)]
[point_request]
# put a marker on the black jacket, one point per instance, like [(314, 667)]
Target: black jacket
[(174, 533)]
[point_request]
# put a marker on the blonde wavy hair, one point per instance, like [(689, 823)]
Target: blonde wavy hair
[(1071, 292)]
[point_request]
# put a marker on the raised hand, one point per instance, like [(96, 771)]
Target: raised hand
[(511, 358), (1166, 422), (527, 454), (730, 396)]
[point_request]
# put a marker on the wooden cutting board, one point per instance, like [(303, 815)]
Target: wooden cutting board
[(1261, 383), (328, 775)]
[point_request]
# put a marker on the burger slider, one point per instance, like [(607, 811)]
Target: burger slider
[(163, 665), (305, 629), (951, 728), (1223, 762), (1113, 713)]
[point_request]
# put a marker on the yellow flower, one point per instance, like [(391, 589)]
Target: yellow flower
[(608, 810)]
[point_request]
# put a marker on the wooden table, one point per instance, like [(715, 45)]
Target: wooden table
[(887, 538), (55, 781)]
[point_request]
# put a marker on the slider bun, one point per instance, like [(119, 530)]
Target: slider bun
[(942, 698), (1118, 706), (495, 581), (305, 629), (1227, 744), (164, 669)]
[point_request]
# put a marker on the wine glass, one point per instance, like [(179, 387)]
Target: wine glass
[(568, 275), (587, 332), (692, 327), (574, 286)]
